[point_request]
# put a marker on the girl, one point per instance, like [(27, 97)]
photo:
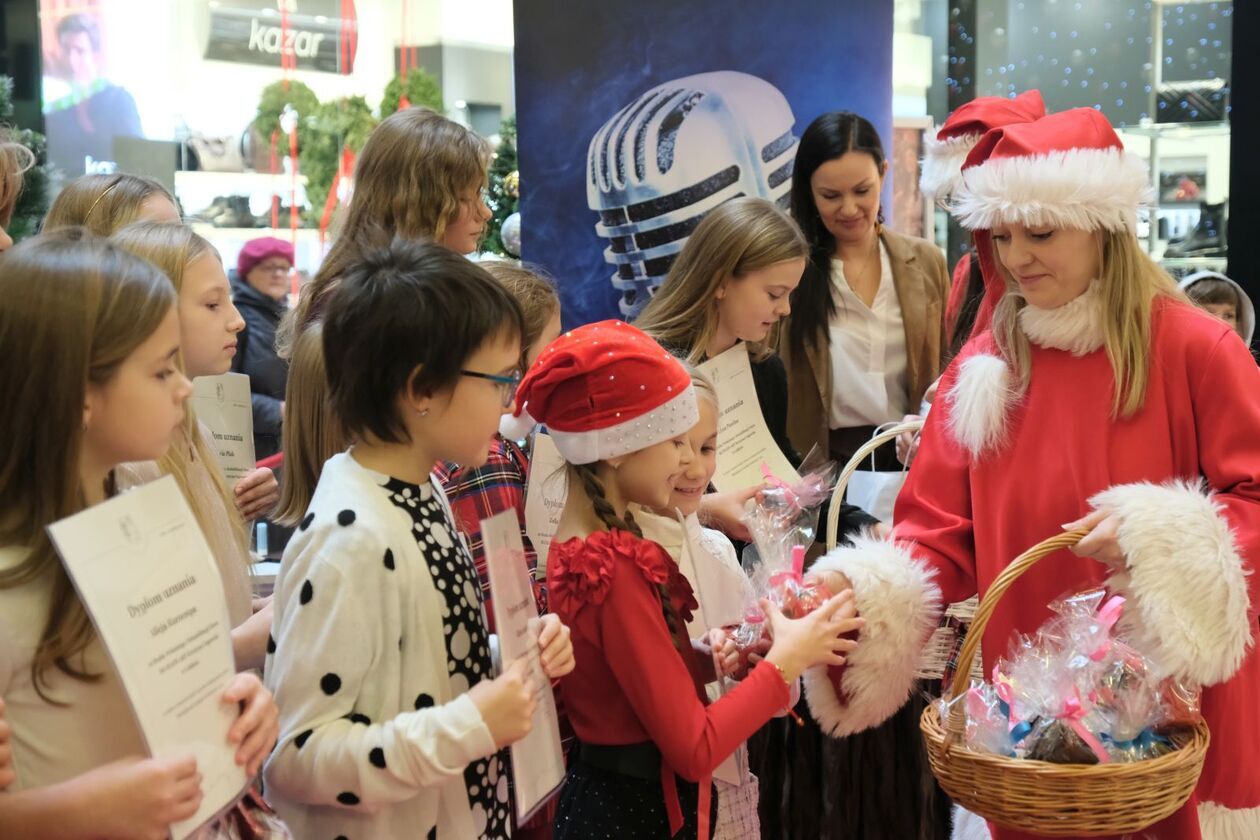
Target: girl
[(707, 559), (619, 408), (393, 725), (419, 175), (1130, 411), (111, 393), (105, 203), (209, 324), (477, 493), (731, 284)]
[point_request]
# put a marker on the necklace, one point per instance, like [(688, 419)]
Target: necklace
[(855, 277)]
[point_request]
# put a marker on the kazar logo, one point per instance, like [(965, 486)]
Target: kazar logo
[(268, 39), (321, 35)]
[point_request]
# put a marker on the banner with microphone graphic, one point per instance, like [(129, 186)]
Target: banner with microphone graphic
[(637, 118)]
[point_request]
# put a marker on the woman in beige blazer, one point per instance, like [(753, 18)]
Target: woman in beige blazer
[(861, 346)]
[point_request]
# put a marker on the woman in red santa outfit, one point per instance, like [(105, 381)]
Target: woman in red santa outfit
[(1099, 398)]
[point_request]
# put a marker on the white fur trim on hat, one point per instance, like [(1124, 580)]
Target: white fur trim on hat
[(942, 164), (979, 401), (897, 596), (1081, 189), (1185, 579), (672, 418), (517, 426), (1220, 823)]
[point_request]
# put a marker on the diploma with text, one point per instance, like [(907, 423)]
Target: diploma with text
[(224, 405)]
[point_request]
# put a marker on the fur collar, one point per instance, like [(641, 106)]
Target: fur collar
[(1075, 327)]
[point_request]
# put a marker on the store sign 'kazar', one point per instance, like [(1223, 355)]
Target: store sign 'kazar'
[(317, 34)]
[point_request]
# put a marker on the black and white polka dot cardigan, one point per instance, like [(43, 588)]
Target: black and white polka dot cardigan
[(372, 744)]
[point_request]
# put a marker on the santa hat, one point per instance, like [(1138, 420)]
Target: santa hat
[(943, 155), (604, 390), (1065, 170)]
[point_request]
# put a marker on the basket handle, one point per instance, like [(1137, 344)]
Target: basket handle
[(1003, 582), (833, 514)]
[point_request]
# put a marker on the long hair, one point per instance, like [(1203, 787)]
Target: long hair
[(409, 183), (15, 159), (310, 434), (75, 307), (742, 235), (536, 295), (172, 248), (1129, 282), (102, 203), (830, 136)]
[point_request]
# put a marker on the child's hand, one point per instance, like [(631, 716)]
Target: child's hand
[(257, 493), (725, 511), (507, 703), (259, 724), (555, 647), (814, 639), (7, 775), (140, 798), (725, 653)]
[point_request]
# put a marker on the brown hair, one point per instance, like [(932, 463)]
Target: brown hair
[(311, 433), (172, 248), (1213, 290), (102, 203), (742, 235), (15, 159), (410, 182), (534, 292), (94, 304)]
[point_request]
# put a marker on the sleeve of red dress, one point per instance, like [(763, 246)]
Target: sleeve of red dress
[(1190, 545), (692, 737)]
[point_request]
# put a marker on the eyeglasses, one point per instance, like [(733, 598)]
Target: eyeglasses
[(507, 384)]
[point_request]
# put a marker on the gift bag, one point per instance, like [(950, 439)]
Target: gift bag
[(876, 491)]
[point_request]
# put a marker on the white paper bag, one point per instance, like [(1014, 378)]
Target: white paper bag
[(876, 491)]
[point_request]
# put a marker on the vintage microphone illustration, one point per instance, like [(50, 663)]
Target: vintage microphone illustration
[(673, 154)]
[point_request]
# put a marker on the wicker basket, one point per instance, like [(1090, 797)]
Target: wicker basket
[(1056, 800), (957, 617)]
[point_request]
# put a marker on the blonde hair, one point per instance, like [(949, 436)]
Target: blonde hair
[(1129, 281), (95, 304), (15, 159), (410, 182), (311, 433), (703, 384), (534, 292), (742, 235), (172, 248), (102, 203)]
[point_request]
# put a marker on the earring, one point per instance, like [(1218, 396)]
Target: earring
[(423, 412)]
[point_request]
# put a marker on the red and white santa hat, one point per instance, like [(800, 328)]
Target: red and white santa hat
[(604, 390), (943, 155)]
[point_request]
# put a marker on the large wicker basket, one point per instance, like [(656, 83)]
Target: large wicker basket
[(941, 647), (1056, 800)]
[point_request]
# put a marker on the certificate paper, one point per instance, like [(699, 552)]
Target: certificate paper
[(537, 761), (744, 442), (149, 582), (223, 403), (544, 496)]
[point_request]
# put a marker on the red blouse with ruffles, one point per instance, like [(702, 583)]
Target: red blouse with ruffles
[(631, 683)]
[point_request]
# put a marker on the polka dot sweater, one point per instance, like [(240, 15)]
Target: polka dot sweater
[(377, 732)]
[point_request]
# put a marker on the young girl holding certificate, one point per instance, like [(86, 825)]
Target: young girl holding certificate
[(89, 335), (619, 408), (209, 324), (392, 723)]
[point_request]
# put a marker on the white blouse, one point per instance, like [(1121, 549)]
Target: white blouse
[(870, 374)]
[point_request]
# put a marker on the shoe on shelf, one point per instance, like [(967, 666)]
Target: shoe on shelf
[(1207, 239), (236, 215), (215, 209)]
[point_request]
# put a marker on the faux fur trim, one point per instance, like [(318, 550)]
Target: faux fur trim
[(942, 163), (517, 426), (901, 603), (1185, 578), (968, 826), (1076, 326), (979, 402), (1081, 189), (1220, 823)]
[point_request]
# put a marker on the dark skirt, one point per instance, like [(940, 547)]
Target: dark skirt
[(875, 785), (597, 804)]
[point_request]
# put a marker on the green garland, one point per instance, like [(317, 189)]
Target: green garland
[(343, 122), (271, 105), (503, 195), (32, 203), (421, 89)]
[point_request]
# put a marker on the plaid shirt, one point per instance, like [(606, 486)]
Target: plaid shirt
[(479, 493)]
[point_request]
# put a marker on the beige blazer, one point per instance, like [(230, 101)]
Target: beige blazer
[(922, 283)]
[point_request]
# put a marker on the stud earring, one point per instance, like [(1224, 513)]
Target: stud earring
[(423, 412)]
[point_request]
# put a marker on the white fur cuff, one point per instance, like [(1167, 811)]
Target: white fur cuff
[(1189, 603), (1220, 823), (901, 603)]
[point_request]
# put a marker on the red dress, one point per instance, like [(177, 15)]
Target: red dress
[(631, 683), (994, 478)]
